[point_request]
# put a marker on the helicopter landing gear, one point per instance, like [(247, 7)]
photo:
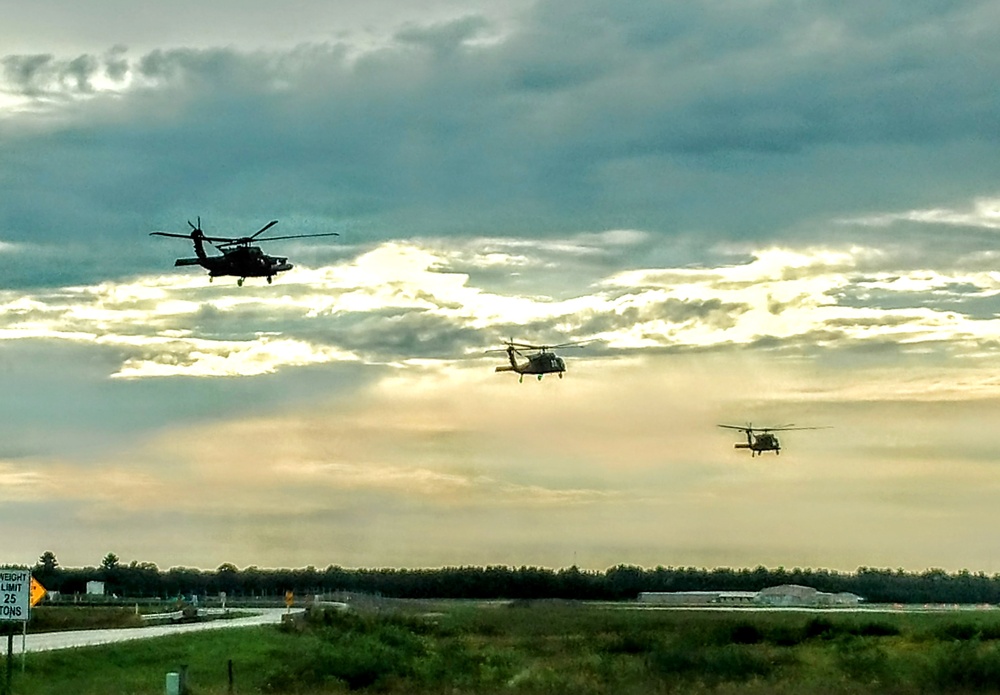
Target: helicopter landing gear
[(560, 375), (211, 277), (239, 282), (520, 379), (539, 377), (270, 278)]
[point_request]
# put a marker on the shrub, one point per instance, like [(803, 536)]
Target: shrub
[(745, 633), (358, 651), (863, 661), (965, 665), (629, 643), (819, 627), (958, 631), (876, 629), (731, 662)]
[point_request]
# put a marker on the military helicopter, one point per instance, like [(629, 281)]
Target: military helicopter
[(541, 360), (240, 257), (761, 439)]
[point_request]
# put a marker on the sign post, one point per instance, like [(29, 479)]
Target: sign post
[(36, 593), (15, 607)]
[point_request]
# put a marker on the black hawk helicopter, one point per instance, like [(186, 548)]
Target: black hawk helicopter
[(240, 258), (541, 359), (761, 439)]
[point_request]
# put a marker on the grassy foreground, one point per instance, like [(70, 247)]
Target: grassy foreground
[(544, 647)]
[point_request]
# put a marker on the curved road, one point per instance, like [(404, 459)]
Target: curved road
[(48, 641)]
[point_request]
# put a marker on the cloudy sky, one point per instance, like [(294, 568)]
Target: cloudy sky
[(770, 212)]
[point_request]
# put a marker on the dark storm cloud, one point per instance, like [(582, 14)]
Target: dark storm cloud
[(400, 335), (445, 37), (50, 76), (965, 299), (712, 313), (673, 117)]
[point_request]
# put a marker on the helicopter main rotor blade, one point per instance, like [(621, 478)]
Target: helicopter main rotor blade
[(741, 428), (264, 229), (526, 346), (179, 236), (213, 239), (298, 236), (786, 429)]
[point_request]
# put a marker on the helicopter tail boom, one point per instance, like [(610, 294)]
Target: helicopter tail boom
[(187, 261)]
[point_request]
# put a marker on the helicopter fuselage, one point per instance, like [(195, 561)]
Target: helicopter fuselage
[(759, 443), (538, 364), (246, 262), (543, 363), (242, 261)]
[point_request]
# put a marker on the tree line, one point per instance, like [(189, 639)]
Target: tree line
[(622, 582)]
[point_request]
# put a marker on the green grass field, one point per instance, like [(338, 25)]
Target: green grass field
[(551, 647)]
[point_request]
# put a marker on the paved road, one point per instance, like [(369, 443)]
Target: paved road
[(85, 638)]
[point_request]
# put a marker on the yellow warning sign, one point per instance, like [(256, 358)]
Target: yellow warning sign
[(37, 592), (289, 598)]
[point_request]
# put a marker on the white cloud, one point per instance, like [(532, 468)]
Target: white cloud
[(18, 483), (984, 213), (400, 294)]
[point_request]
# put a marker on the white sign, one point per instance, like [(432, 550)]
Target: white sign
[(15, 594)]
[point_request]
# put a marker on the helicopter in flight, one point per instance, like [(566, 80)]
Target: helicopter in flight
[(762, 439), (540, 359), (240, 258)]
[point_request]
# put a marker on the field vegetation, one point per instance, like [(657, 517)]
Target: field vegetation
[(62, 618), (551, 647)]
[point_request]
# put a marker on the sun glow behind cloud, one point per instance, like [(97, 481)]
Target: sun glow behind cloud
[(182, 325), (432, 433), (984, 212)]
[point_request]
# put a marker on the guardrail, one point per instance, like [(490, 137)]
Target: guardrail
[(188, 613)]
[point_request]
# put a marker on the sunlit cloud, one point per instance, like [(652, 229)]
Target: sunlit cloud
[(19, 483), (452, 488), (203, 358), (404, 301), (984, 212)]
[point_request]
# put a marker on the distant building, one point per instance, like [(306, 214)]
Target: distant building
[(95, 588), (698, 598), (786, 595), (796, 595)]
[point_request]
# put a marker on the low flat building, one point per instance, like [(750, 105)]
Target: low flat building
[(697, 598), (796, 595), (95, 588), (786, 595)]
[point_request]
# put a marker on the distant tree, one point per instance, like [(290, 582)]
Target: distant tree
[(47, 563), (110, 562), (227, 578), (47, 571), (140, 579)]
